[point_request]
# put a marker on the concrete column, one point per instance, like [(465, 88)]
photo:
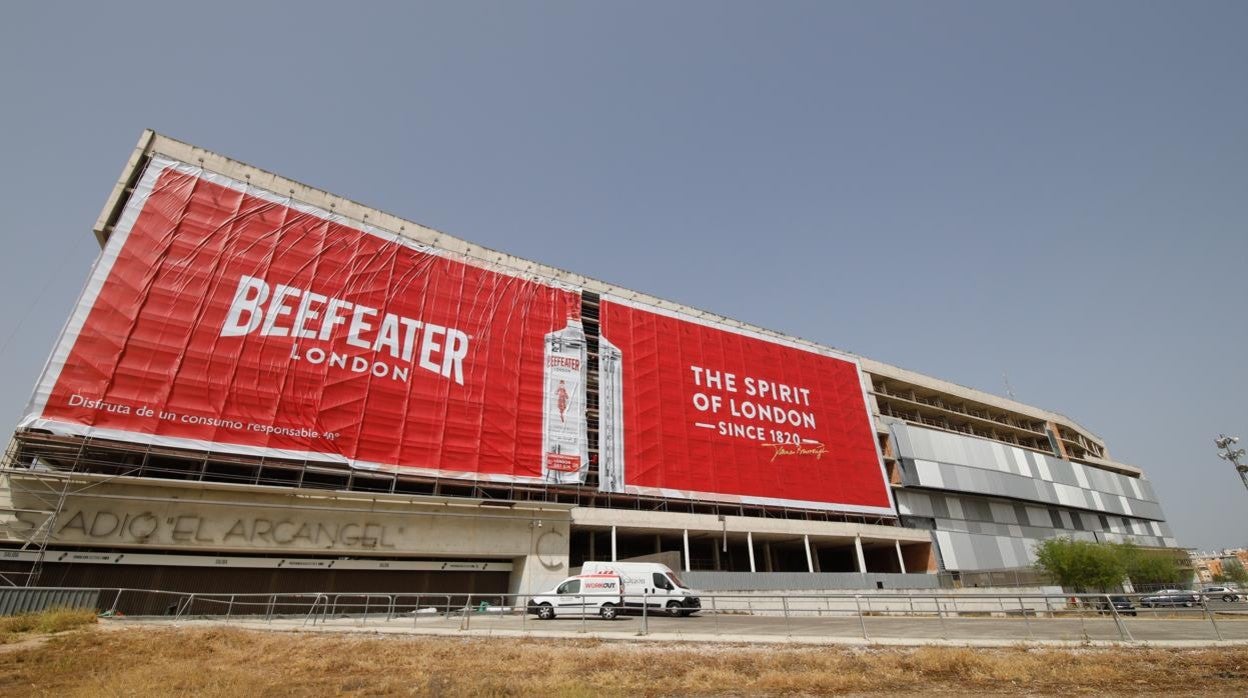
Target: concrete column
[(613, 558), (592, 535), (749, 542), (862, 561), (687, 563), (767, 564), (715, 556), (900, 560), (810, 561)]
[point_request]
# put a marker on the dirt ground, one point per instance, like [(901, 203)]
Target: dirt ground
[(90, 661)]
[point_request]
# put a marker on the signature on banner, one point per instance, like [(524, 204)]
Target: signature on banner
[(811, 448)]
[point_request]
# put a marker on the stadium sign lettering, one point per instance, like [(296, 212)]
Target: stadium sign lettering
[(146, 527)]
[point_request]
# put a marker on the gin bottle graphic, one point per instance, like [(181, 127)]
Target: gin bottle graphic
[(610, 417), (564, 441)]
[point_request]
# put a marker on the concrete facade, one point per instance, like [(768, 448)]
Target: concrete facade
[(144, 515)]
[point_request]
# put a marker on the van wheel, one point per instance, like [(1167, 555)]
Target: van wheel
[(1228, 598), (673, 609), (545, 611), (607, 611)]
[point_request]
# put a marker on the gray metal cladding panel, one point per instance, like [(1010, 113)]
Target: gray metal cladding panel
[(952, 476), (981, 452), (992, 461), (17, 600), (1147, 510), (909, 475), (1038, 532), (988, 552), (1062, 472), (1022, 551), (912, 503), (1111, 505), (955, 478), (1044, 491), (1038, 516), (1020, 515), (976, 509), (964, 550), (1102, 481), (1003, 513), (901, 441), (982, 516), (1009, 556), (979, 552), (962, 478), (982, 480)]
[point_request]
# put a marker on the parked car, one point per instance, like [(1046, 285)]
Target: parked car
[(1224, 593), (1121, 604), (1170, 597)]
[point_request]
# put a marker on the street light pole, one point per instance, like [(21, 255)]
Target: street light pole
[(1225, 444)]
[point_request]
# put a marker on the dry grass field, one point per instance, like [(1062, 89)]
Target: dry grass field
[(91, 661), (14, 628)]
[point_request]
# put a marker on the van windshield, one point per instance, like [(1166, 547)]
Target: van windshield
[(677, 580)]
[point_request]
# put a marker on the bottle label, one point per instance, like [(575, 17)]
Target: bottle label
[(564, 439)]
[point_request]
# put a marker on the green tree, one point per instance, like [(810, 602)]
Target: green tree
[(1151, 567), (1081, 565), (1232, 573)]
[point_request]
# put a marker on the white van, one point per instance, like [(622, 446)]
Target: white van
[(584, 594), (650, 584)]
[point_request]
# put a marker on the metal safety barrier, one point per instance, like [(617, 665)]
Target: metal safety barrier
[(866, 615)]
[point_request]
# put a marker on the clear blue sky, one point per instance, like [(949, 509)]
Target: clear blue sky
[(1053, 190)]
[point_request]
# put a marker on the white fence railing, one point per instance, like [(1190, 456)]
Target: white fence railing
[(864, 615)]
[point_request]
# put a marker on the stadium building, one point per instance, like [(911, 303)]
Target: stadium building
[(266, 387)]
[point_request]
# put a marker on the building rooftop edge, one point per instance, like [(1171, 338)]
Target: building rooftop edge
[(151, 142)]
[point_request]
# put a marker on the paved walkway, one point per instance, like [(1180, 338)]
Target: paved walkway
[(1193, 631)]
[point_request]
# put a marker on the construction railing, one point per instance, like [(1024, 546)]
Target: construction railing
[(798, 617)]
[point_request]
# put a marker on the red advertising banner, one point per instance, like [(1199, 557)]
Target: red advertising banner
[(225, 317), (702, 411)]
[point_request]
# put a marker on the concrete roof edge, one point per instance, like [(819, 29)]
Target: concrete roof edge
[(904, 374), (117, 197)]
